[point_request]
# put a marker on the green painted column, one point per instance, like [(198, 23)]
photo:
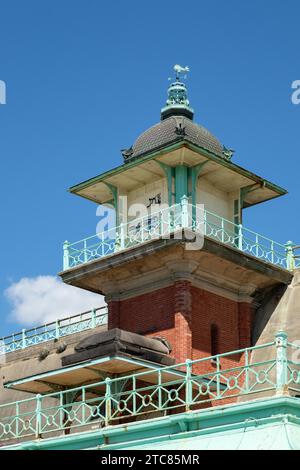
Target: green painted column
[(194, 173), (181, 182), (169, 172)]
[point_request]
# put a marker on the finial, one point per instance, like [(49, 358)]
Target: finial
[(177, 103)]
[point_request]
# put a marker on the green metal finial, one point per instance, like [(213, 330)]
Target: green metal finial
[(177, 102)]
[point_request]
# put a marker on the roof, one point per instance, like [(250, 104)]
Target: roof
[(93, 372), (146, 168), (173, 129)]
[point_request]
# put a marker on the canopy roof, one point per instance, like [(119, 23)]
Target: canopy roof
[(219, 171), (95, 371)]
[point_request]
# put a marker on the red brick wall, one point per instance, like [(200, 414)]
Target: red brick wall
[(183, 314), (147, 314), (211, 309), (246, 316)]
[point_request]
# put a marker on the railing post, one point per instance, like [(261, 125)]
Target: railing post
[(66, 255), (272, 252), (17, 418), (281, 363), (246, 382), (256, 245), (290, 260), (121, 236), (160, 228), (23, 338), (160, 404), (205, 222), (184, 211), (57, 329), (38, 430), (188, 385), (85, 258), (93, 318), (61, 410), (240, 244), (83, 400), (134, 395), (218, 373), (107, 401), (223, 230)]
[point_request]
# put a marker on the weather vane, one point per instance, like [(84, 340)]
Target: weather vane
[(179, 70)]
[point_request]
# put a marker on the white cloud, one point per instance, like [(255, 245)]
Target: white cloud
[(42, 299)]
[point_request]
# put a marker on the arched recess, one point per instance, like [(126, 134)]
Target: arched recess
[(214, 339)]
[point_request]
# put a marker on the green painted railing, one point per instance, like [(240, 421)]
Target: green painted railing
[(269, 369), (165, 222), (54, 330)]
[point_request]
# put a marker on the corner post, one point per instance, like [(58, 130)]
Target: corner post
[(66, 255), (57, 333), (188, 385), (281, 362), (23, 338), (290, 260), (240, 237), (93, 318), (38, 430), (107, 401)]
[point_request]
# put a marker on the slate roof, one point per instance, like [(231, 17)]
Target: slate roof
[(171, 130)]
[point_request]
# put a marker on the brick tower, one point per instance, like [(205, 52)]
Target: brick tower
[(203, 300), (197, 344)]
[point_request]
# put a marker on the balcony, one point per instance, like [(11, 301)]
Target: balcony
[(53, 331), (168, 223), (262, 371)]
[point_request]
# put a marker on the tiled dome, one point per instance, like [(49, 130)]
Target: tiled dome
[(171, 130)]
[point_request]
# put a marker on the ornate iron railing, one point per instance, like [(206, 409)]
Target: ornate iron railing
[(165, 222), (266, 369), (55, 330)]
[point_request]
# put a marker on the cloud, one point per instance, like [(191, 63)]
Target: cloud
[(42, 299)]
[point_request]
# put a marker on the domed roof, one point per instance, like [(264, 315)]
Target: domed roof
[(171, 130)]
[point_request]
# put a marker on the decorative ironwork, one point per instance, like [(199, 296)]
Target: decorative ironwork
[(188, 386), (167, 221), (54, 330)]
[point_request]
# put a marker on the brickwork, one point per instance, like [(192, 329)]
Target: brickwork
[(184, 315)]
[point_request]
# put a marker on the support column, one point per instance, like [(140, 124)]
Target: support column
[(194, 174), (181, 182), (169, 172), (183, 321)]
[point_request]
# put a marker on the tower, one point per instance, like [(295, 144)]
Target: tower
[(154, 280), (190, 294)]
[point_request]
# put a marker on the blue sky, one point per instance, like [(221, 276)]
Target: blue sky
[(84, 79)]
